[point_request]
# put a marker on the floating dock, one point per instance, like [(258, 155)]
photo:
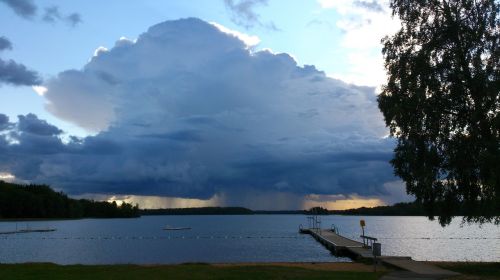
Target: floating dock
[(340, 245), (176, 228), (27, 231)]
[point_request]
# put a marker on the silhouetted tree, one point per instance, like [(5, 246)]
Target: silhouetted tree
[(318, 211), (40, 201), (442, 103)]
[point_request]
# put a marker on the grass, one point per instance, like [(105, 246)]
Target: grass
[(185, 271), (477, 269)]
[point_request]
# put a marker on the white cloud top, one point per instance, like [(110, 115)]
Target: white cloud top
[(249, 40), (364, 24)]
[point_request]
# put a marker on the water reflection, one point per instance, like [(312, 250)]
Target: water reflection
[(253, 238)]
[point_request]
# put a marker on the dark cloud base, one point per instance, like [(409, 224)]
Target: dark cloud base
[(32, 148)]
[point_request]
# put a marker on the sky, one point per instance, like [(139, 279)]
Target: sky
[(254, 103)]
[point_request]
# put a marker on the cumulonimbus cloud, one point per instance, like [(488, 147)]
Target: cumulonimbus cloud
[(189, 111)]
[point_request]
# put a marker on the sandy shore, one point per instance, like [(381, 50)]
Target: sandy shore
[(328, 266)]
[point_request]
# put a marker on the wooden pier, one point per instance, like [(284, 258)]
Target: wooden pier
[(340, 245)]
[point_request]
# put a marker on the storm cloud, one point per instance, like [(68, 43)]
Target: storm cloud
[(23, 8), (15, 73), (4, 122), (373, 5), (5, 44), (28, 10), (52, 14), (243, 13), (187, 110)]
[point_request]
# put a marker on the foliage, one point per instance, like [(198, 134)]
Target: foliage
[(40, 201), (198, 211), (442, 103), (318, 211), (398, 209)]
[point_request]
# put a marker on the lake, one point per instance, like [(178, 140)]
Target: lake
[(245, 238)]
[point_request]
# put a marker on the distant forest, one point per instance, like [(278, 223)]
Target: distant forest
[(41, 202), (398, 209), (199, 211), (213, 211)]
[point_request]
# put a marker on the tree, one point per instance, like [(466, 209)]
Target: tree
[(40, 201), (442, 103)]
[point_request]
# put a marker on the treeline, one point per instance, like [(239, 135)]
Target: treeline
[(199, 211), (40, 201), (398, 209), (408, 209), (279, 212), (216, 211)]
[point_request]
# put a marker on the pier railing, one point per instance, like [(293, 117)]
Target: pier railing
[(368, 240), (335, 229)]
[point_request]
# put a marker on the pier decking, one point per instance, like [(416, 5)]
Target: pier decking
[(340, 245)]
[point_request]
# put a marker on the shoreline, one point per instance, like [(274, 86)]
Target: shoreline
[(244, 270), (320, 265)]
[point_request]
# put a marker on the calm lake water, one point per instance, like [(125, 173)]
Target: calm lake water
[(247, 238)]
